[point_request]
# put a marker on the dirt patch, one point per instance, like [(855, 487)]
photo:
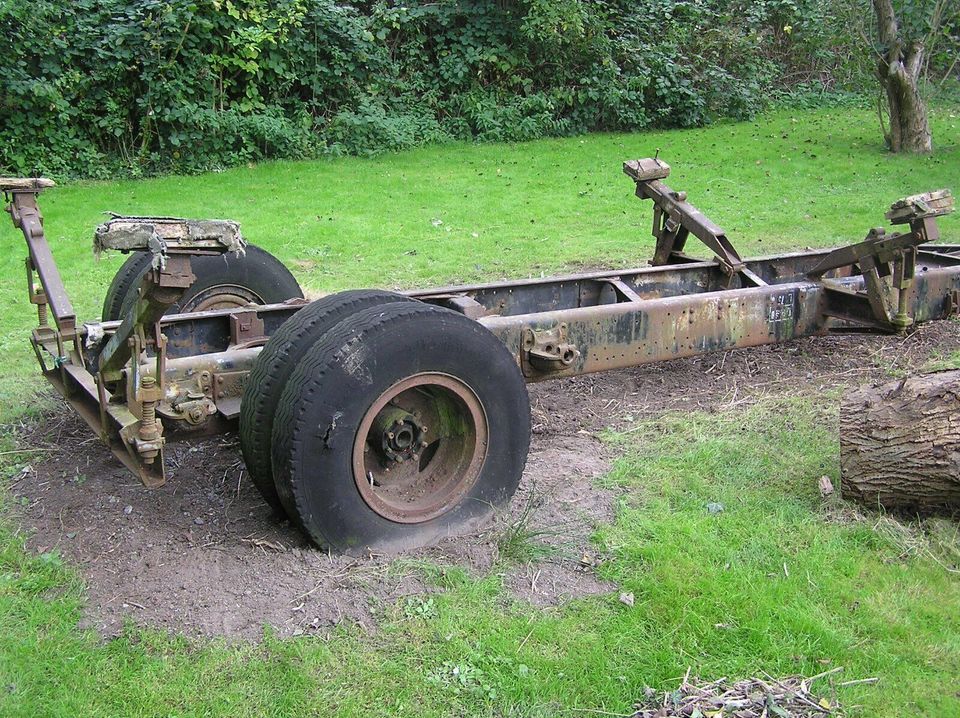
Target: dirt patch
[(203, 555)]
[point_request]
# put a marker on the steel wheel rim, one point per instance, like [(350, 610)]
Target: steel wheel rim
[(408, 471), (221, 296)]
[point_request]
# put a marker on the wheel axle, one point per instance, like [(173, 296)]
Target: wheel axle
[(397, 435)]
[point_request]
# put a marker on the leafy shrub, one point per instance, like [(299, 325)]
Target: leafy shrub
[(372, 128), (101, 87)]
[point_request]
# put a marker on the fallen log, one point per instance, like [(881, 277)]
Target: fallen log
[(900, 444)]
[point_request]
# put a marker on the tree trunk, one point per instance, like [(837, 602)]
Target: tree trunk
[(900, 444), (899, 73)]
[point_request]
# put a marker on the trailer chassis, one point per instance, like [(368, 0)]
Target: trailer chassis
[(149, 378)]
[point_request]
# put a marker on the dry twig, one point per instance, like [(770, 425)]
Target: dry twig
[(750, 698)]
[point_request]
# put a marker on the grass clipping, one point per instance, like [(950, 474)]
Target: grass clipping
[(750, 698)]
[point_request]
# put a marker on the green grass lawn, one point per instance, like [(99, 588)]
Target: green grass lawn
[(777, 582)]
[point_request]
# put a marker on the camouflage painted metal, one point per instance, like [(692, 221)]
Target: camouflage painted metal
[(148, 378)]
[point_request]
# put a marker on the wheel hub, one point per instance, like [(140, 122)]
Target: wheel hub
[(420, 447), (221, 296), (401, 435)]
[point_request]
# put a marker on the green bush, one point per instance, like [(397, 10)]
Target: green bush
[(105, 87)]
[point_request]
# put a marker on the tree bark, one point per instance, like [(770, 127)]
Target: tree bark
[(899, 72), (900, 444)]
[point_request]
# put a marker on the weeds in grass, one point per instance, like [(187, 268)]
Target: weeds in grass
[(942, 362), (944, 537), (419, 607), (522, 542), (935, 538), (433, 574), (462, 677)]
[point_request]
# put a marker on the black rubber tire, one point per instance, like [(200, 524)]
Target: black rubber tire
[(276, 362), (338, 380), (126, 279), (257, 271)]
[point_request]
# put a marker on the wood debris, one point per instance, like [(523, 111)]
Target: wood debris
[(750, 698)]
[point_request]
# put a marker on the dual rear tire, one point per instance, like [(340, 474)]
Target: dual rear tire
[(376, 422), (276, 362)]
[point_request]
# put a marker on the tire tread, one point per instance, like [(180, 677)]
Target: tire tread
[(274, 365), (308, 379), (124, 282)]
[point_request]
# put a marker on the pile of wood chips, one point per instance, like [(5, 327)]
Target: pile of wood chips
[(751, 698)]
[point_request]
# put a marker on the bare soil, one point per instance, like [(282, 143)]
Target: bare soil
[(203, 555)]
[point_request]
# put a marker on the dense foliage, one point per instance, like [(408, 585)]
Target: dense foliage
[(99, 87)]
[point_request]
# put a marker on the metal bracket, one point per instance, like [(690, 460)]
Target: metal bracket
[(468, 306), (246, 329), (675, 219), (952, 303), (25, 213), (189, 412), (547, 350), (887, 264), (228, 391)]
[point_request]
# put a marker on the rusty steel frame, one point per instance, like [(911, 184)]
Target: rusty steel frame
[(148, 378)]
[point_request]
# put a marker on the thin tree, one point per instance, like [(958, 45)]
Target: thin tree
[(901, 61)]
